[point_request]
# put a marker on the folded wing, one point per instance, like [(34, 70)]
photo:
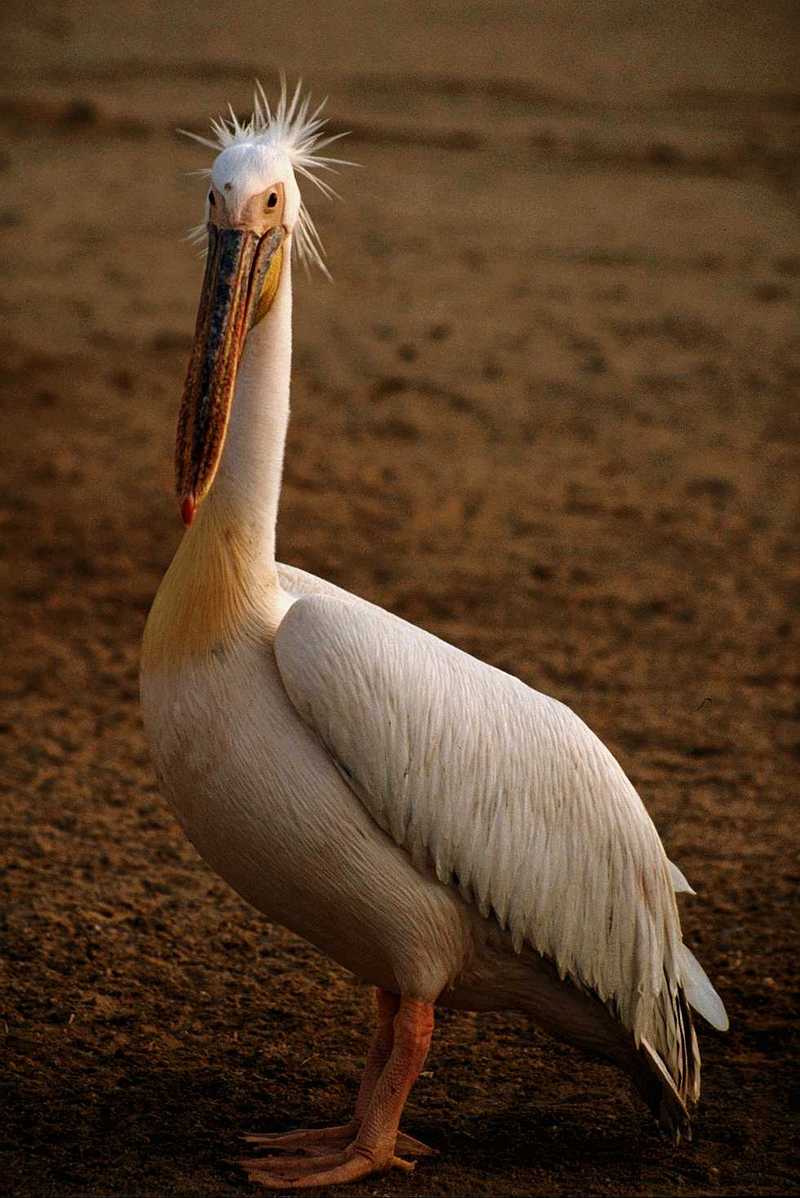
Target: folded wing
[(507, 793)]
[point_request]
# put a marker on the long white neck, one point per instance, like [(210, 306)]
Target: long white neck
[(248, 483)]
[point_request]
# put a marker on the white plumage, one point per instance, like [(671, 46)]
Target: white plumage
[(509, 795), (435, 825)]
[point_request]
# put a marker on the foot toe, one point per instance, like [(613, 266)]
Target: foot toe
[(292, 1166), (312, 1140), (355, 1167)]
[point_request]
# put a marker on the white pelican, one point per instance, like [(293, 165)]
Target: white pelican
[(445, 832)]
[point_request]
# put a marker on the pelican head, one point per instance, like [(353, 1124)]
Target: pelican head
[(254, 216)]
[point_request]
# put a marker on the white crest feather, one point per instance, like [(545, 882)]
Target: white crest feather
[(299, 132)]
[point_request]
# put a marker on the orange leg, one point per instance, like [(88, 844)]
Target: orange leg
[(316, 1141), (370, 1142), (380, 1050)]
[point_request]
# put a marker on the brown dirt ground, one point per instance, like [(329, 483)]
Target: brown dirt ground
[(546, 411)]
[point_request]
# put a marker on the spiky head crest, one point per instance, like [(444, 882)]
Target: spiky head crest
[(290, 130)]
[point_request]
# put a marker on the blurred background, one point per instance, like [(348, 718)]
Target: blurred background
[(547, 409)]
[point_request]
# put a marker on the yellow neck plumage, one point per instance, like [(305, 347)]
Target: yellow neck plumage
[(270, 288)]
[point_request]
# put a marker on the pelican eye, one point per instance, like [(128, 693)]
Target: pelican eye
[(272, 200)]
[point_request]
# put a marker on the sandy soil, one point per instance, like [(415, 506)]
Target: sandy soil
[(548, 410)]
